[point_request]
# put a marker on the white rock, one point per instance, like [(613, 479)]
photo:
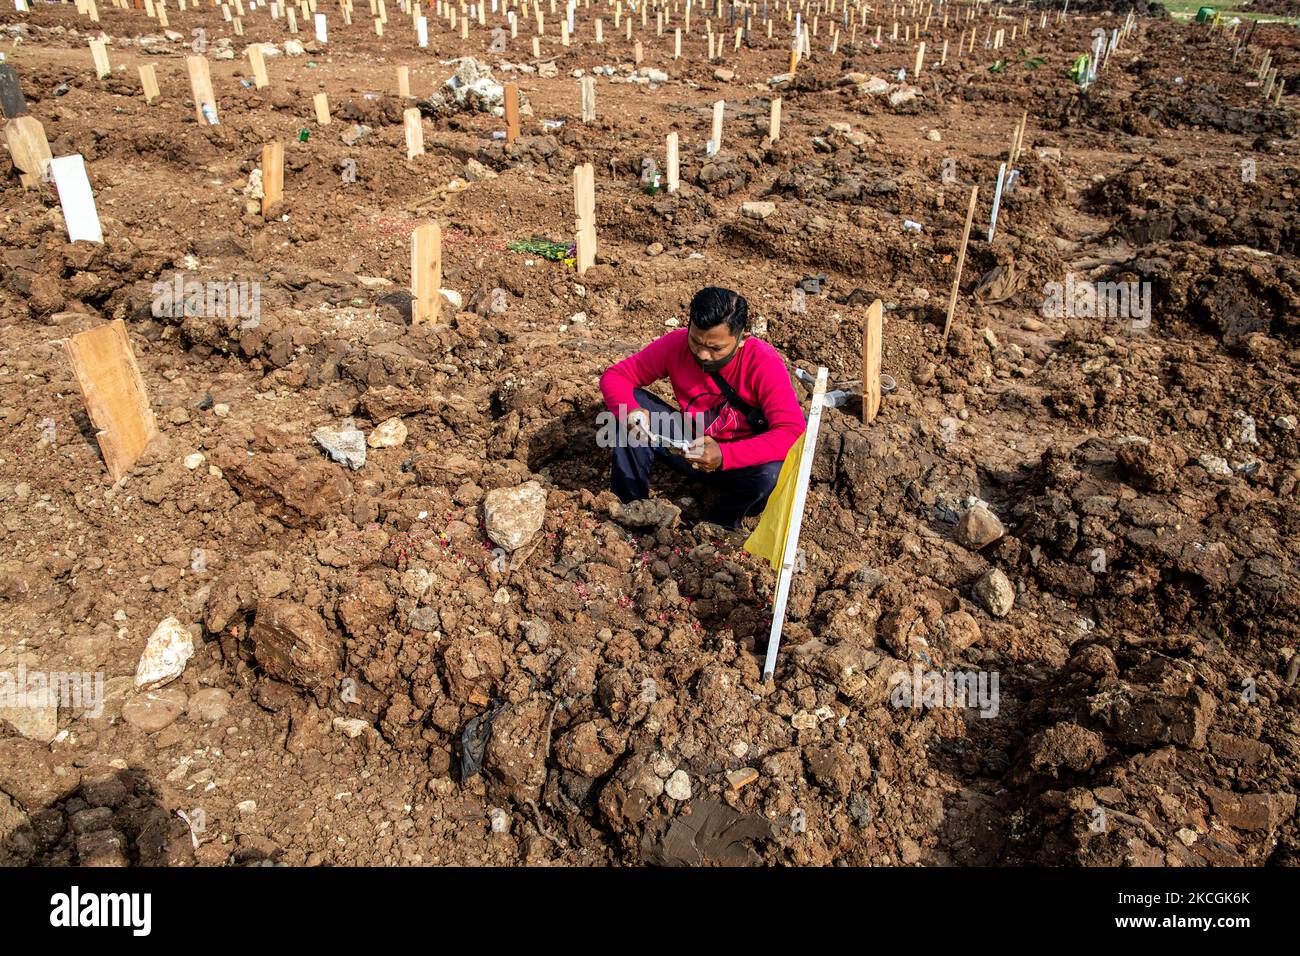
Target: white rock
[(352, 727), (34, 714), (757, 209), (513, 516), (802, 720), (346, 446), (193, 461), (678, 786), (293, 48), (389, 434), (453, 298), (165, 654)]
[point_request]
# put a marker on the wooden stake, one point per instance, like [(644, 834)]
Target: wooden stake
[(28, 148), (512, 112), (201, 86), (322, 104), (403, 81), (584, 204), (774, 121), (961, 261), (871, 342), (99, 52), (414, 133), (587, 97), (426, 274), (258, 61), (114, 394), (149, 81), (715, 136), (674, 164), (272, 178)]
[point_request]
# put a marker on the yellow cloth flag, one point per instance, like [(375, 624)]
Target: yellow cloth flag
[(768, 539)]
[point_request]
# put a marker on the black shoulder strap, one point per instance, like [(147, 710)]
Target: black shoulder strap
[(753, 416)]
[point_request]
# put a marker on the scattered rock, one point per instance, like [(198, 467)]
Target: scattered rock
[(995, 592), (978, 528), (210, 704), (757, 210), (154, 709), (514, 516), (678, 785), (389, 434), (166, 652), (346, 446), (292, 644)]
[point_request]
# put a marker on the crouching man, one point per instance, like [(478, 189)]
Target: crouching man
[(738, 415)]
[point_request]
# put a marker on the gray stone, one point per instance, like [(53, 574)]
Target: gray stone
[(423, 619), (355, 134), (346, 446), (758, 210)]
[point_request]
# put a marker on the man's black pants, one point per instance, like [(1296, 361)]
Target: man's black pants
[(741, 491)]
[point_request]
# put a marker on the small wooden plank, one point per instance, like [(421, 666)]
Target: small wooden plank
[(272, 177), (114, 394), (774, 120), (28, 148), (414, 133), (258, 62), (512, 112), (322, 105), (426, 273), (403, 81), (871, 345), (674, 164), (149, 81), (201, 85), (584, 203), (99, 52)]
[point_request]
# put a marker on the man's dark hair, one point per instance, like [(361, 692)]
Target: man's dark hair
[(713, 306)]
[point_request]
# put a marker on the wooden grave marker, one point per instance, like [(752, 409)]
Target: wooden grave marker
[(149, 82), (426, 273), (114, 394), (29, 149), (584, 204), (871, 346), (272, 177)]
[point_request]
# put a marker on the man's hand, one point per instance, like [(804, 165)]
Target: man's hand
[(704, 454), (638, 426)]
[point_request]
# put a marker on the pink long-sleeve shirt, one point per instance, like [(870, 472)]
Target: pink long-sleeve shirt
[(757, 374)]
